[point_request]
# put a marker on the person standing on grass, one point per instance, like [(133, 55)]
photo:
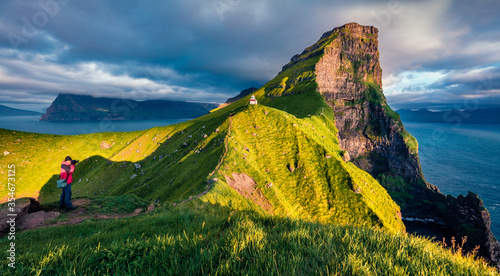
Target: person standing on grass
[(67, 169)]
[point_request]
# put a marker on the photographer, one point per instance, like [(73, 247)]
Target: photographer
[(67, 169)]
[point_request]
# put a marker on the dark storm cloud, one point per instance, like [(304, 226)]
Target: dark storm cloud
[(210, 50)]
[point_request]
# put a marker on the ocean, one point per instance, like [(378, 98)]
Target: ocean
[(458, 158), (32, 124), (455, 158)]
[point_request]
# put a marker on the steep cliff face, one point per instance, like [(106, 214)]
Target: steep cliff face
[(344, 67), (468, 215), (349, 77)]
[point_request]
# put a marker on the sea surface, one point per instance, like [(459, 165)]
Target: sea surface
[(458, 158), (32, 124)]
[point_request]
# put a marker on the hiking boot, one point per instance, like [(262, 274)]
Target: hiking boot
[(61, 207), (69, 209)]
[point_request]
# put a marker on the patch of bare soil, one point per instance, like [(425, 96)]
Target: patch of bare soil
[(247, 187), (42, 219), (81, 201), (36, 219)]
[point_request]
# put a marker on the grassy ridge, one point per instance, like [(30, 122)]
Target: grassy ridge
[(298, 156), (216, 240), (329, 217), (297, 165)]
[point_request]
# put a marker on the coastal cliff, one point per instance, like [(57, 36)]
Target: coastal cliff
[(246, 184), (344, 66), (350, 78)]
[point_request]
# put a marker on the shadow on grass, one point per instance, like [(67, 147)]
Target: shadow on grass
[(177, 169)]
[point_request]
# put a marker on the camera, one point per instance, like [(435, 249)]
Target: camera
[(73, 162)]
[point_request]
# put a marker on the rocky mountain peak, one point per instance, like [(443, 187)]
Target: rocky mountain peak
[(349, 76), (344, 67), (352, 28), (352, 55)]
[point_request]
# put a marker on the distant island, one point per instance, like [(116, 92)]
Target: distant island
[(9, 111), (472, 116), (69, 107)]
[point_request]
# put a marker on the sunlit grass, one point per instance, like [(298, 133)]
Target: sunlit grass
[(329, 217), (217, 240)]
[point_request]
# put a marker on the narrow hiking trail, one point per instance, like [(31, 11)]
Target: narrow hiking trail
[(54, 217), (51, 217)]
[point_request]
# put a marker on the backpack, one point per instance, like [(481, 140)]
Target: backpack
[(62, 183)]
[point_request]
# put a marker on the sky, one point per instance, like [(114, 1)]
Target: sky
[(434, 53)]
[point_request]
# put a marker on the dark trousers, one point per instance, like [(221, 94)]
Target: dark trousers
[(65, 200)]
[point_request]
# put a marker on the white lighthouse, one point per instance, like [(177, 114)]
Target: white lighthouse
[(253, 100)]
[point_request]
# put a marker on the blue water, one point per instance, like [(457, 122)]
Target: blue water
[(31, 124), (458, 158)]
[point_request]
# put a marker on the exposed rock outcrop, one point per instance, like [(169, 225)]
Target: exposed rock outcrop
[(468, 214), (348, 75)]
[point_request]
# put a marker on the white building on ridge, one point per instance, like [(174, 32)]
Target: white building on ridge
[(253, 100)]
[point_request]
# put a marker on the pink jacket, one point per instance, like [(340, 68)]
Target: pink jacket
[(64, 174)]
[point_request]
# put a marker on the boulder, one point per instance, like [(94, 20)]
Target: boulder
[(346, 157), (105, 145)]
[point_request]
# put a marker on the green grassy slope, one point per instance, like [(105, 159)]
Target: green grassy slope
[(215, 240), (38, 156), (177, 162), (290, 147), (245, 189), (300, 164)]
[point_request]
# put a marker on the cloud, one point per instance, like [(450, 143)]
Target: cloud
[(479, 86), (38, 73), (210, 50)]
